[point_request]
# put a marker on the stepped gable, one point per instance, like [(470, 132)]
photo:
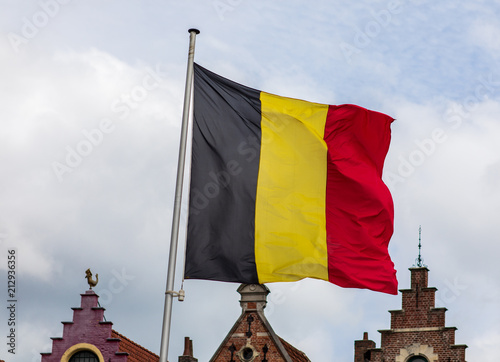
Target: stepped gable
[(89, 332), (418, 332), (252, 338)]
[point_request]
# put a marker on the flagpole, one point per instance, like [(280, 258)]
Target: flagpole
[(169, 293)]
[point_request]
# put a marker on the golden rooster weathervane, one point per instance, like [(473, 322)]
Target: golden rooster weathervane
[(88, 275)]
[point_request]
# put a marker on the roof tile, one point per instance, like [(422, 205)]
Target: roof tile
[(295, 354), (136, 353)]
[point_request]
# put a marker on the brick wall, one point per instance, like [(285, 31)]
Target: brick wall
[(362, 348), (417, 329), (253, 336), (87, 327), (258, 339)]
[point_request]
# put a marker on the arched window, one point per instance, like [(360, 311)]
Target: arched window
[(84, 356), (418, 359)]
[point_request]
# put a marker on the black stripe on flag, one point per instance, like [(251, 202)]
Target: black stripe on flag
[(225, 165)]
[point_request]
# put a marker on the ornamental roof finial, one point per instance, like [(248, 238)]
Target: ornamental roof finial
[(419, 262)]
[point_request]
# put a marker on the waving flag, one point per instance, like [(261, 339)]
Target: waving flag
[(283, 189)]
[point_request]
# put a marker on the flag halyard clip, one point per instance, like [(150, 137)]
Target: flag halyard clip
[(181, 294)]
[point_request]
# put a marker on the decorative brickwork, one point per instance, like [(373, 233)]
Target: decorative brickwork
[(418, 329), (251, 338), (88, 331)]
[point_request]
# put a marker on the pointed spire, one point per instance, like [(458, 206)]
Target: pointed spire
[(419, 262)]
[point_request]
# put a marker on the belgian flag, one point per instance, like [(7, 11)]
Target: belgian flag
[(283, 189)]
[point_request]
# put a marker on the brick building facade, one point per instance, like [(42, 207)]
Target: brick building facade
[(418, 332), (252, 338), (88, 337)]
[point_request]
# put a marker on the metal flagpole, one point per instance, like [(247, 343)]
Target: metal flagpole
[(169, 293)]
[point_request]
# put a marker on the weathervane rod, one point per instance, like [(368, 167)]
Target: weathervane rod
[(169, 293), (419, 261)]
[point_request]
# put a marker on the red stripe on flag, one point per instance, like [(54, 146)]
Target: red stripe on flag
[(359, 207)]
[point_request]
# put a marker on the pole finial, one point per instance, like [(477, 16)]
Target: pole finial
[(419, 262), (194, 29)]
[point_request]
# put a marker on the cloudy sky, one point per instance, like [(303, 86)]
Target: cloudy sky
[(90, 113)]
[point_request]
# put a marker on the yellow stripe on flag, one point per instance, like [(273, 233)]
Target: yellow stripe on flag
[(291, 191)]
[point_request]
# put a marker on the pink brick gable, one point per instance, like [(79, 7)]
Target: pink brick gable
[(88, 330)]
